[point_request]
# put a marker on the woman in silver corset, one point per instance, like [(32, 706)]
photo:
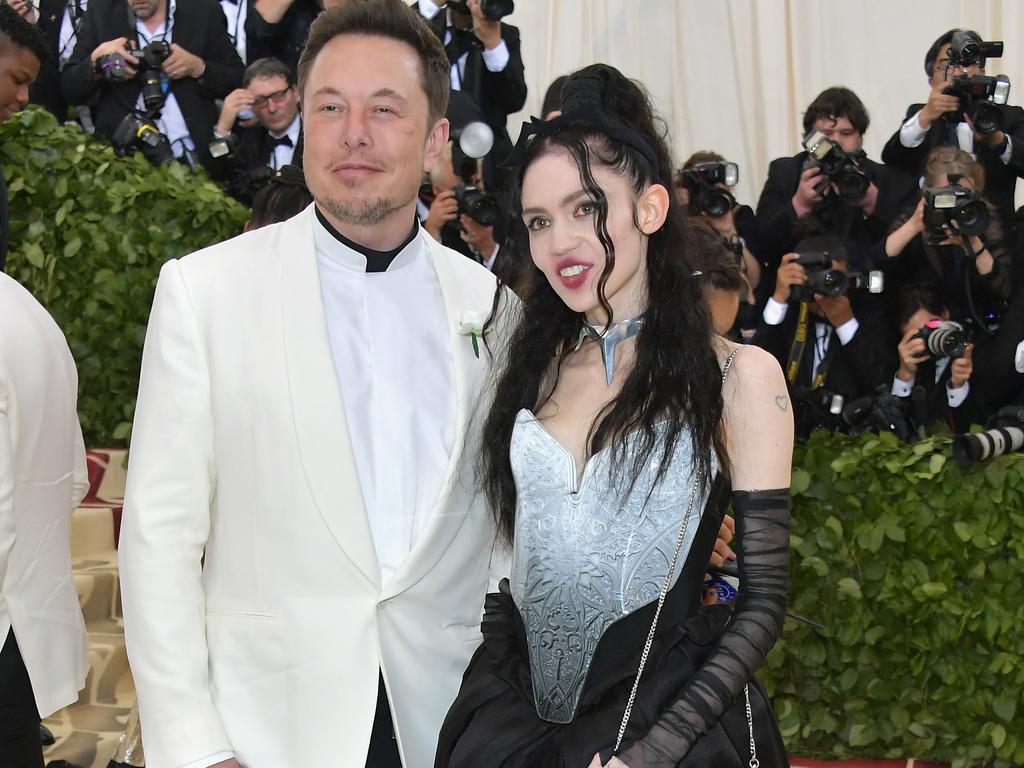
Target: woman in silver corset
[(620, 429)]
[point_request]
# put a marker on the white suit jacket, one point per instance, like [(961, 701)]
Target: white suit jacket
[(271, 648), (43, 477)]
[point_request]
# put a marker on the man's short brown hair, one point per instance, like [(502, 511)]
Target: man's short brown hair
[(384, 18)]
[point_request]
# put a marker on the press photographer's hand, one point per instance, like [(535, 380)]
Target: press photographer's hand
[(481, 238), (487, 32), (182, 64), (445, 208), (912, 353), (806, 198), (235, 102), (789, 274), (960, 368), (939, 103), (120, 47)]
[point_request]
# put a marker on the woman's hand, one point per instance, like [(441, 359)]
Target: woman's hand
[(613, 763)]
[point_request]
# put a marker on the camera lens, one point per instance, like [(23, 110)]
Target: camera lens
[(946, 340), (853, 185), (986, 117), (972, 217)]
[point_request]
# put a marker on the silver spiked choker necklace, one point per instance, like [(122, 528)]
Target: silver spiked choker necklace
[(608, 337)]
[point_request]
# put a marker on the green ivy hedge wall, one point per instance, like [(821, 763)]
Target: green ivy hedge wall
[(89, 232), (915, 569), (913, 566)]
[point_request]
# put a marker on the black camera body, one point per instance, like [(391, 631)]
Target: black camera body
[(705, 197), (495, 10), (837, 167), (966, 49), (823, 278), (880, 412), (954, 205), (477, 204), (944, 338), (979, 96), (137, 132), (112, 67)]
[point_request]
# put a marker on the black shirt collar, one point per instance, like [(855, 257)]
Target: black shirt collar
[(376, 261)]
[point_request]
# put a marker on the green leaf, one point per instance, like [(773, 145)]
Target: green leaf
[(936, 463), (800, 482), (998, 735), (964, 531), (933, 589), (74, 245), (34, 255), (1005, 707), (850, 587)]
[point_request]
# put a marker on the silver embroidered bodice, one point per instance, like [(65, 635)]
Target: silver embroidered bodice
[(586, 557)]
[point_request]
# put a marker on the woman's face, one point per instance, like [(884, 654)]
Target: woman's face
[(559, 215)]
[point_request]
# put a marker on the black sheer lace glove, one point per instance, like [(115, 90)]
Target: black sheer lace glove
[(762, 519)]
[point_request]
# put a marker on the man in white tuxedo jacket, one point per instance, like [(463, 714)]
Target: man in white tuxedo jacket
[(300, 519), (43, 478)]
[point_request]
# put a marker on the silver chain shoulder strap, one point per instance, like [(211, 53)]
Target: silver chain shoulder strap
[(754, 763)]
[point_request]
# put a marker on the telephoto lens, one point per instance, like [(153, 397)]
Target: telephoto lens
[(984, 445), (944, 338)]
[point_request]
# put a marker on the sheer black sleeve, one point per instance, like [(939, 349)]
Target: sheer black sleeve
[(762, 520)]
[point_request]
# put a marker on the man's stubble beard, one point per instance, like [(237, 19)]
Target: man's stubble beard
[(366, 212)]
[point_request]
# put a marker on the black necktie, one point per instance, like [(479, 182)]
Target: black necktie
[(285, 140)]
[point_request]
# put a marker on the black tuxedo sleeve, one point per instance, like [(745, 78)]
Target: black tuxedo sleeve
[(910, 159), (1014, 129), (776, 219), (506, 90), (995, 372), (77, 82), (866, 356), (999, 282), (224, 67), (776, 339)]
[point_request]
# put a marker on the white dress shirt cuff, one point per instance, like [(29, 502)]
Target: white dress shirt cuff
[(428, 9), (911, 133), (774, 312), (1008, 152), (1018, 358), (956, 396), (205, 762), (847, 331), (901, 388), (496, 59)]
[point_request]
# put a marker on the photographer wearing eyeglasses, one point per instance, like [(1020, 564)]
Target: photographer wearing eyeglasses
[(258, 129), (155, 69), (831, 187), (968, 110)]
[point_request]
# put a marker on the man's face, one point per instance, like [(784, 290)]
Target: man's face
[(276, 103), (19, 68), (145, 9), (840, 131), (368, 136), (944, 72)]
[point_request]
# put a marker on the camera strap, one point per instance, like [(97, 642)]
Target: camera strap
[(796, 351)]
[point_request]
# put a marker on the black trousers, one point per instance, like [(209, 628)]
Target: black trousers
[(19, 718), (383, 744)]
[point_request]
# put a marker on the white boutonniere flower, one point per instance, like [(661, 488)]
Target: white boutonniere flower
[(472, 324)]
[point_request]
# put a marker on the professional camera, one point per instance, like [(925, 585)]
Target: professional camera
[(945, 205), (477, 204), (825, 279), (112, 67), (705, 197), (944, 338), (138, 132), (880, 412), (1006, 435), (966, 49), (979, 95), (150, 60), (494, 10), (836, 166)]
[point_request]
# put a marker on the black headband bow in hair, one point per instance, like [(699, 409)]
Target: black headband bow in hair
[(587, 115)]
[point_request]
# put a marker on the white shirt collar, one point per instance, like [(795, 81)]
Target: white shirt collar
[(330, 247)]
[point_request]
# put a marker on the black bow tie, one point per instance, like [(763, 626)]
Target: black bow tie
[(285, 140)]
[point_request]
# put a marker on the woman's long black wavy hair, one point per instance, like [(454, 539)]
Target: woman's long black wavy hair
[(675, 379)]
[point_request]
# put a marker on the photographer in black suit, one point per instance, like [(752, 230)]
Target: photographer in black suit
[(147, 62), (832, 348), (942, 121), (486, 64), (936, 357), (258, 129), (856, 204), (58, 20)]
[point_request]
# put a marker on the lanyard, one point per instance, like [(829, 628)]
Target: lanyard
[(796, 352)]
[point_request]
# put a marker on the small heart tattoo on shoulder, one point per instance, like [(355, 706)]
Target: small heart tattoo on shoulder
[(783, 402)]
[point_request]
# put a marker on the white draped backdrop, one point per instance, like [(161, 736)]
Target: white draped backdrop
[(734, 76)]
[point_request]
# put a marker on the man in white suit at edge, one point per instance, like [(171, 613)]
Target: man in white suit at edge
[(303, 556), (43, 477)]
